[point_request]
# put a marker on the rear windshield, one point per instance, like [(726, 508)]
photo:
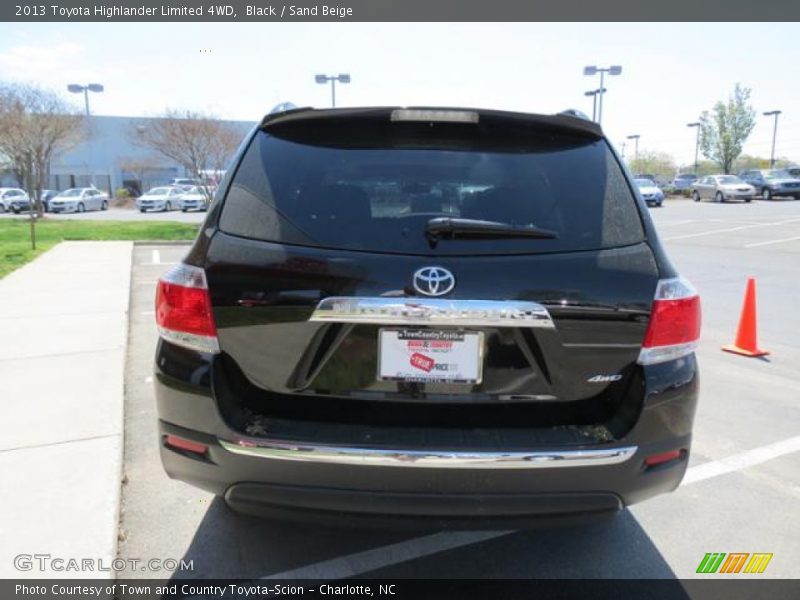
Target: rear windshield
[(377, 193)]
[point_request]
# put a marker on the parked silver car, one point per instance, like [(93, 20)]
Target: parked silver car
[(722, 188), (10, 196), (194, 199), (79, 200), (164, 198)]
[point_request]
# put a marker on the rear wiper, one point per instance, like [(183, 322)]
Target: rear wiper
[(447, 228)]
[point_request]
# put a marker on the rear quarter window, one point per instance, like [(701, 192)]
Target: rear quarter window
[(359, 194)]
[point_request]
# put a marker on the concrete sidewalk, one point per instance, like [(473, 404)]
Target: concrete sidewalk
[(63, 335)]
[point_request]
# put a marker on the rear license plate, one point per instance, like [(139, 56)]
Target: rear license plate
[(430, 356)]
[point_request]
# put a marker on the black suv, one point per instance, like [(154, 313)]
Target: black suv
[(462, 318)]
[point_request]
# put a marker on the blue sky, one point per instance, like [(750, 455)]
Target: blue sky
[(671, 71)]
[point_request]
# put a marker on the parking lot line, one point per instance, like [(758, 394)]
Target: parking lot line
[(743, 460), (791, 239), (384, 556), (729, 229), (156, 257), (352, 565)]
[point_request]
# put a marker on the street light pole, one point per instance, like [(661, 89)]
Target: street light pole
[(635, 137), (76, 88), (696, 125), (593, 70), (593, 94), (774, 113), (341, 78), (85, 89)]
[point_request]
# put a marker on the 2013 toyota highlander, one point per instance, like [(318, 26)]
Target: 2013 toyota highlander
[(448, 316)]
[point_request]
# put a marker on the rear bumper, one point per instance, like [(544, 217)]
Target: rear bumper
[(440, 511), (432, 487)]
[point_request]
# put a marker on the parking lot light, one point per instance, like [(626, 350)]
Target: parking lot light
[(593, 70), (593, 94), (341, 78), (75, 88), (772, 113), (696, 124), (635, 137)]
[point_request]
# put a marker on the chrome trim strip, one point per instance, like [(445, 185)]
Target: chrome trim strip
[(432, 311), (440, 459)]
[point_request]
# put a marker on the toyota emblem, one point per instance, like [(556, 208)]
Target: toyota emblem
[(433, 281)]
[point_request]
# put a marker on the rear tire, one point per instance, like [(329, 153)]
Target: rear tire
[(748, 199), (766, 194), (104, 205), (167, 206), (719, 197), (695, 196), (141, 210), (81, 207)]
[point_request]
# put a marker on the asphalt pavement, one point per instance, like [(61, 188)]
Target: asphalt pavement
[(741, 493)]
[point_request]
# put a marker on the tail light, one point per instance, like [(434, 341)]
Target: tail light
[(183, 309), (674, 327)]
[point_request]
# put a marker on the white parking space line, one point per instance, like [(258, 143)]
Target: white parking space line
[(352, 565), (156, 257), (743, 460), (791, 239), (384, 556), (713, 231), (662, 223)]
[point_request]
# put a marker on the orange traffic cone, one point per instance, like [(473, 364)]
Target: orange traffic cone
[(746, 336)]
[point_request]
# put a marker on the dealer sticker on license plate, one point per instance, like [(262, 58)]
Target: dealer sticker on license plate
[(424, 355)]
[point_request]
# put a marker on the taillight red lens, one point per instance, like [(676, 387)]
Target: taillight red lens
[(674, 327), (183, 309), (673, 322)]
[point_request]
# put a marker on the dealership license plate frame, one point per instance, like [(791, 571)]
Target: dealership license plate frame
[(469, 337)]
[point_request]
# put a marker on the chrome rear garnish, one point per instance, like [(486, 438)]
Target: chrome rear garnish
[(440, 459), (430, 311)]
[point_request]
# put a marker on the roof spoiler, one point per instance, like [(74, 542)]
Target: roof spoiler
[(571, 119)]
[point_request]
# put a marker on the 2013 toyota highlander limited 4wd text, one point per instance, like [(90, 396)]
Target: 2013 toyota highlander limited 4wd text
[(457, 317)]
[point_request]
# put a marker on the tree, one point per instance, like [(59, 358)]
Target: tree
[(725, 129), (35, 125), (198, 142), (654, 163), (139, 168), (745, 161)]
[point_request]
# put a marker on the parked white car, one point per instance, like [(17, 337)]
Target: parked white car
[(79, 200), (162, 198), (194, 199), (9, 195)]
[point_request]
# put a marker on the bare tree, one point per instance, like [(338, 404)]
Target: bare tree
[(139, 168), (198, 142), (35, 125)]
